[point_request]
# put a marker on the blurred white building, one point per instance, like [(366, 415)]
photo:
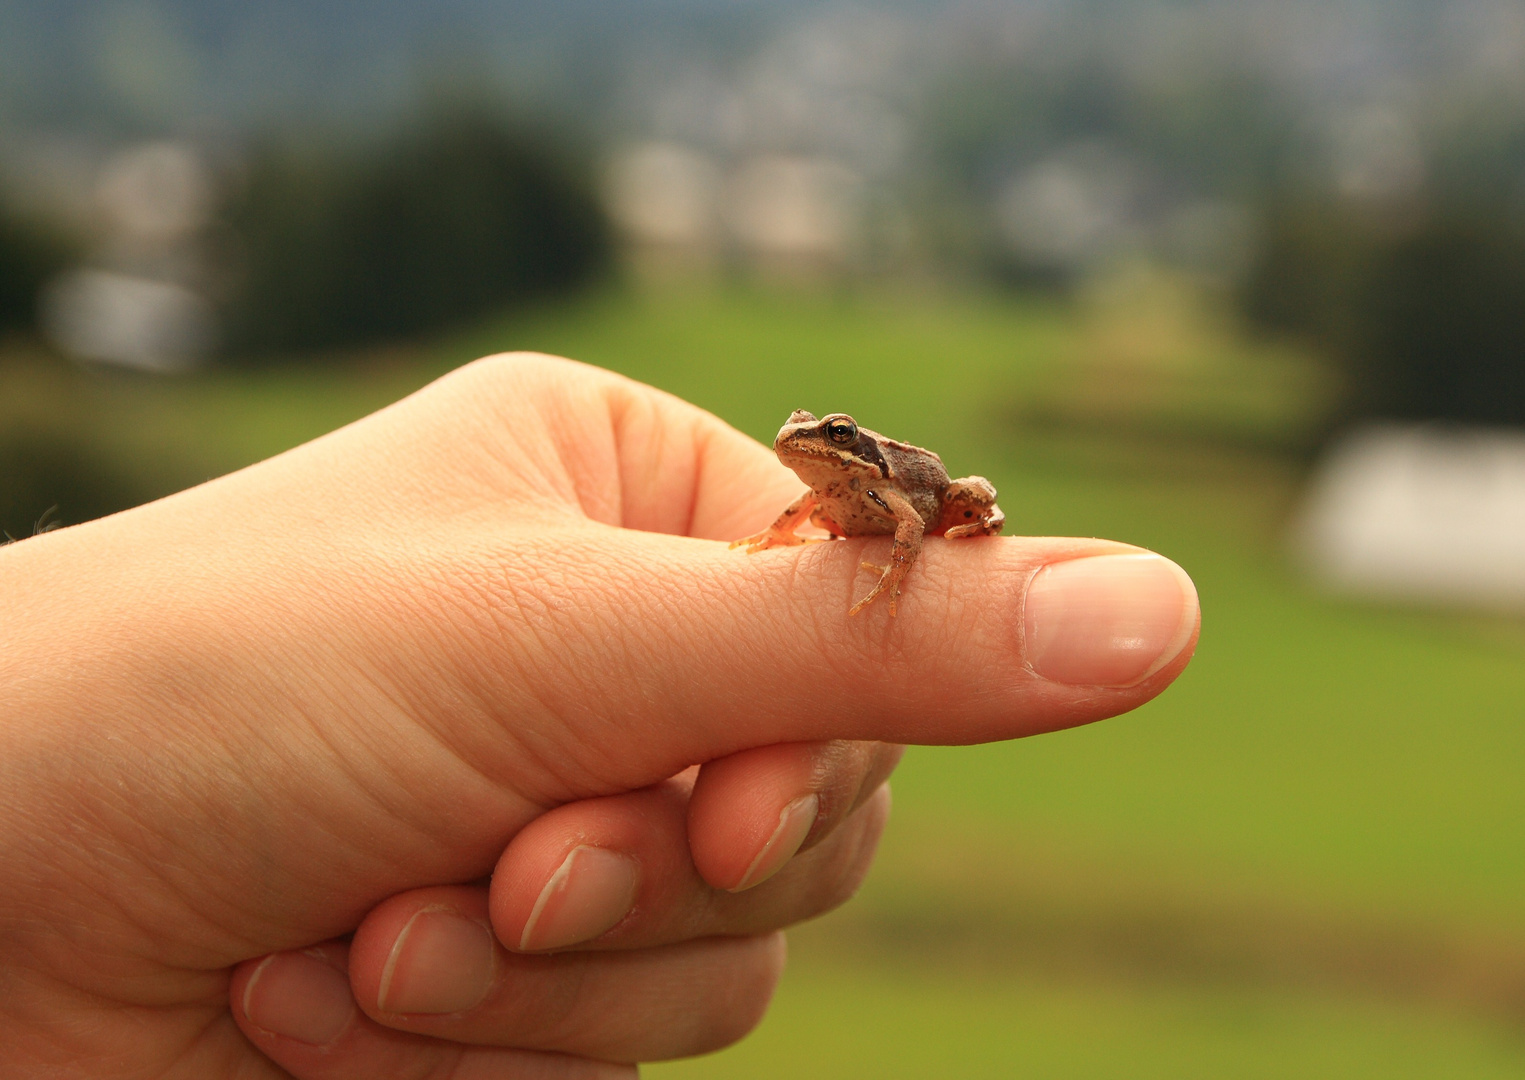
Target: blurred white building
[(665, 194), (1421, 513), (795, 207), (139, 301), (773, 209), (1071, 208), (785, 159), (133, 321)]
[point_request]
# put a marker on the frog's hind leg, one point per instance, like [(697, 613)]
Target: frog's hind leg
[(969, 509), (909, 528), (781, 532)]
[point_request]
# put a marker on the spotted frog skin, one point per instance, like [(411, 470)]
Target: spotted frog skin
[(863, 484)]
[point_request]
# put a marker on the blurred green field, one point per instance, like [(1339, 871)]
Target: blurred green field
[(831, 1023), (1303, 859)]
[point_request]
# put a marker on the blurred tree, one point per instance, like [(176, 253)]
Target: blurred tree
[(28, 256), (458, 217), (1312, 264), (1425, 314), (1447, 326)]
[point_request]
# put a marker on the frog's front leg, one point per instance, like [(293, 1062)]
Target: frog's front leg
[(909, 528), (781, 532)]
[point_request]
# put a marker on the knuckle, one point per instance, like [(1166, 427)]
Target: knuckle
[(739, 1003), (830, 875)]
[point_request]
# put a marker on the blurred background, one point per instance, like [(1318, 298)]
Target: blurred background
[(1242, 283)]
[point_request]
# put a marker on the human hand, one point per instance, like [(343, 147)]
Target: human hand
[(289, 704)]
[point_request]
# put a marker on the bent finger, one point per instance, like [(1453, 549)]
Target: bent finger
[(297, 1008), (751, 812), (427, 962), (616, 873)]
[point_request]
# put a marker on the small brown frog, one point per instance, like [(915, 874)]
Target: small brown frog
[(862, 484)]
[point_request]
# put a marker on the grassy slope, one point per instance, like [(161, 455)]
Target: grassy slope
[(1318, 756), (1331, 765)]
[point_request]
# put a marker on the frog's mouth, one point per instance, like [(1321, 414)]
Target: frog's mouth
[(796, 441), (807, 443)]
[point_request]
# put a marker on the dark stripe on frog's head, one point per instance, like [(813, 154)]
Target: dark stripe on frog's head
[(805, 438), (867, 448)]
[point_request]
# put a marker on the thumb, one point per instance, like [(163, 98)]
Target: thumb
[(673, 651)]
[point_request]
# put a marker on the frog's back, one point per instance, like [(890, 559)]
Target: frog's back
[(920, 476)]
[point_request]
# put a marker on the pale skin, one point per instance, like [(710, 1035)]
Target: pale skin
[(260, 734)]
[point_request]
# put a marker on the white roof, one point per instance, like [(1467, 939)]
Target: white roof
[(1421, 512)]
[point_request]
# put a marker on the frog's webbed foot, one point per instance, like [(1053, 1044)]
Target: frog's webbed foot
[(781, 532), (969, 509)]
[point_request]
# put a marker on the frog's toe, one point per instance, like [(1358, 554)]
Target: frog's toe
[(768, 538), (958, 532), (887, 583), (781, 540)]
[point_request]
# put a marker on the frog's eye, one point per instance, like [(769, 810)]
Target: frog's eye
[(842, 431)]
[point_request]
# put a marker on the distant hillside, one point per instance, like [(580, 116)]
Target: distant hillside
[(148, 64)]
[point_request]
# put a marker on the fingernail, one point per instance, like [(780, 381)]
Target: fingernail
[(590, 892), (1108, 620), (794, 824), (299, 996), (442, 962)]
